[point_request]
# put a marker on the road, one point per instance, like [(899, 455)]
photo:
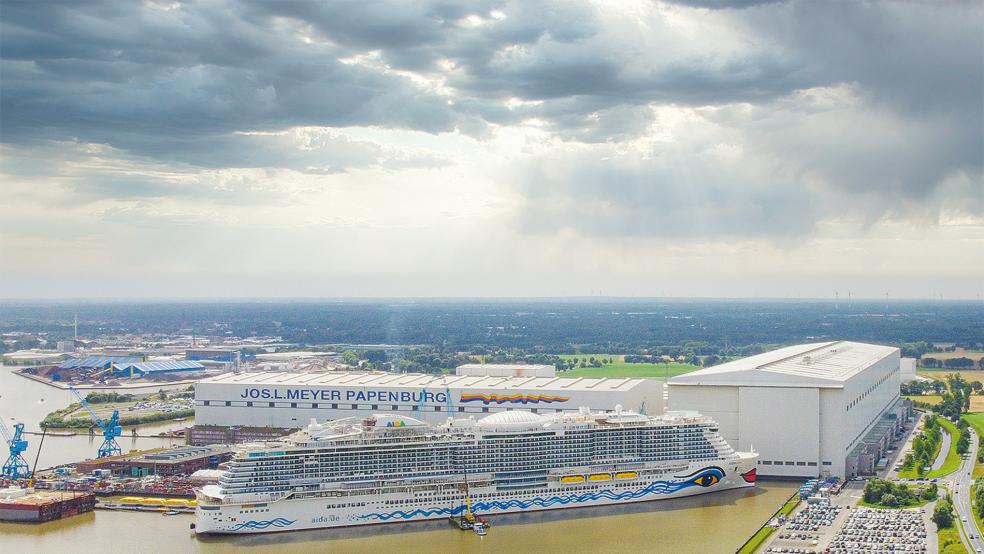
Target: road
[(960, 483), (944, 449)]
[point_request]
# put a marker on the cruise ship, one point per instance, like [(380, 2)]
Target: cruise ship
[(389, 468)]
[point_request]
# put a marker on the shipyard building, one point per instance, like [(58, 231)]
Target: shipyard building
[(290, 400), (828, 408)]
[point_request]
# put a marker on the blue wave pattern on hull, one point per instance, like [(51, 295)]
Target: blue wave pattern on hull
[(658, 487), (252, 524)]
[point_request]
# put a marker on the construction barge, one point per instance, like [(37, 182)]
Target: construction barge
[(38, 506)]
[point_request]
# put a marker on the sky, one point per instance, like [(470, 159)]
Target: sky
[(683, 148)]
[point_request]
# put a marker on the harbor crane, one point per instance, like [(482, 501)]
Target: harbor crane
[(15, 467), (111, 429), (447, 397), (420, 405)]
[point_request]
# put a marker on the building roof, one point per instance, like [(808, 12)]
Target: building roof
[(160, 366), (98, 362), (417, 381), (824, 364)]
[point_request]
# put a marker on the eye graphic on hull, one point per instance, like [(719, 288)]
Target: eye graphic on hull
[(706, 480), (708, 477)]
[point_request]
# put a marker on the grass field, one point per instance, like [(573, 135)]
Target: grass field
[(931, 399), (958, 353), (618, 368), (976, 401), (973, 506), (622, 369), (940, 374), (949, 541), (952, 461), (950, 464), (976, 420)]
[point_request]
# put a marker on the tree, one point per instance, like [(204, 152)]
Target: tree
[(908, 460), (890, 500), (943, 514), (963, 443), (930, 493), (349, 357)]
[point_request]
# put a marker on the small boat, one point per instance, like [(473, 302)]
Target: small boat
[(479, 529), (170, 513)]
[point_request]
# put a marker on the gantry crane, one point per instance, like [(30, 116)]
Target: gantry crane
[(15, 467), (111, 429)]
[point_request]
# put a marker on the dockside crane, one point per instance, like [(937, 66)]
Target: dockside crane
[(420, 405), (447, 397), (15, 467), (111, 429)]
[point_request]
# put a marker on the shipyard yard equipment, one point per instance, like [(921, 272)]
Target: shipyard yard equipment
[(15, 467), (111, 429)]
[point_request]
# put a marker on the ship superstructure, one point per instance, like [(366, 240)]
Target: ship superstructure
[(388, 468)]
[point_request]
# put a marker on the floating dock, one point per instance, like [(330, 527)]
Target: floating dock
[(35, 506)]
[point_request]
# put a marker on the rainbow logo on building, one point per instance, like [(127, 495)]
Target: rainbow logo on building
[(513, 398)]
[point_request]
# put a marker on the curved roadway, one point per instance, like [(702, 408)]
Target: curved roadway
[(944, 448), (960, 483)]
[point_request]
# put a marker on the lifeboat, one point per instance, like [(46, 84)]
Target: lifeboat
[(627, 475), (600, 477), (572, 479)]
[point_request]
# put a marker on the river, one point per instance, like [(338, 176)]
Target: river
[(28, 402), (705, 524)]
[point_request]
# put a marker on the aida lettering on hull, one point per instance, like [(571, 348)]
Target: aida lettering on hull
[(344, 395)]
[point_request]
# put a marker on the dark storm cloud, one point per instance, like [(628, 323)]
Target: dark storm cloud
[(178, 86), (151, 82)]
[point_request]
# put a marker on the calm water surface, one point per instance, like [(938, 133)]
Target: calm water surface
[(706, 524), (28, 401)]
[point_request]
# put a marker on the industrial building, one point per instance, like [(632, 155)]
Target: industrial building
[(507, 370), (828, 408), (141, 369), (908, 368), (228, 355), (287, 400), (175, 461)]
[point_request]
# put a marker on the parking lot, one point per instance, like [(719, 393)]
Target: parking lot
[(875, 531), (841, 527)]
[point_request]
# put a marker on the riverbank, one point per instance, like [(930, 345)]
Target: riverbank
[(755, 542)]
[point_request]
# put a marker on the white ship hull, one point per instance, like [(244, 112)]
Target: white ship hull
[(368, 509)]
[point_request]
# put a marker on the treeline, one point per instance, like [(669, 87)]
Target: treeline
[(896, 495), (728, 328), (920, 387), (57, 420), (951, 363), (924, 446), (107, 397)]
